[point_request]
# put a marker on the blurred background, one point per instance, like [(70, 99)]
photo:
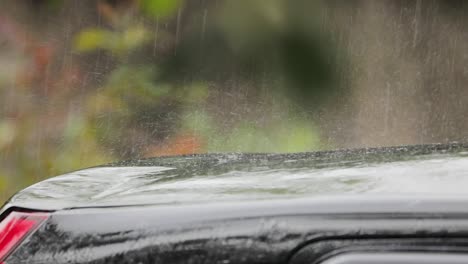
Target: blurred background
[(85, 82)]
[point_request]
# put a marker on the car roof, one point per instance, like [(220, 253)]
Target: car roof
[(409, 171)]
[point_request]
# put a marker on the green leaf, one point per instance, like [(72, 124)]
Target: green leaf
[(160, 8), (118, 42), (91, 39)]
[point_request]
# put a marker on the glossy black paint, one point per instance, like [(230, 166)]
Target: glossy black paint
[(229, 226), (250, 177), (260, 232)]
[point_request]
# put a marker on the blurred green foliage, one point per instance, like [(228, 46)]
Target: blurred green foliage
[(116, 42), (170, 89), (160, 8)]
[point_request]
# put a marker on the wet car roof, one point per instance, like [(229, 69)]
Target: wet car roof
[(209, 178)]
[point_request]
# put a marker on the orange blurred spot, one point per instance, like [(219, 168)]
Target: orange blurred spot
[(113, 12), (107, 12), (179, 145), (34, 74), (42, 57)]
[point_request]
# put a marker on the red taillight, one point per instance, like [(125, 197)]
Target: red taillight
[(14, 228)]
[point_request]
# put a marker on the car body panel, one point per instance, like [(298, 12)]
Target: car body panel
[(258, 232), (408, 170), (251, 208)]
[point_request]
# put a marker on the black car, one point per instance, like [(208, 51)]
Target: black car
[(399, 205)]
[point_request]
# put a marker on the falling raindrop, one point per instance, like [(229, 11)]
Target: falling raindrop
[(417, 17), (205, 14), (156, 37), (179, 17)]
